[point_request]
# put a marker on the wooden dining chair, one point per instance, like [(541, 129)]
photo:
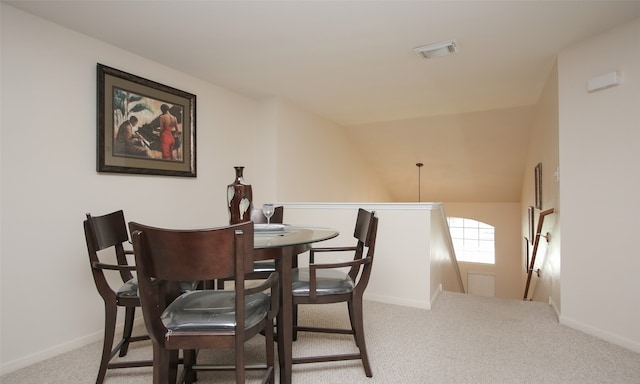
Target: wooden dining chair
[(110, 232), (324, 283), (261, 268), (204, 319)]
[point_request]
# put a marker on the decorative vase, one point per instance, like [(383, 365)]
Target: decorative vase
[(239, 199)]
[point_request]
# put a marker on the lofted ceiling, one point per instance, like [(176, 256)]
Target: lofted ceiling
[(466, 116)]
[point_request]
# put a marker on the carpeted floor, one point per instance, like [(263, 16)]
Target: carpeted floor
[(463, 339)]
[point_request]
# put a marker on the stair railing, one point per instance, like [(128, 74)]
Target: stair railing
[(536, 242)]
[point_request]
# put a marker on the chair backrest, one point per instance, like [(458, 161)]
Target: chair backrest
[(363, 222), (102, 232), (164, 257), (278, 216), (365, 232)]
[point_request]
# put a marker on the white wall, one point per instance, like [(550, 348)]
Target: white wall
[(600, 186), (48, 178), (49, 181), (409, 266), (49, 301)]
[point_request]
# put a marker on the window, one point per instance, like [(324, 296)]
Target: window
[(473, 240)]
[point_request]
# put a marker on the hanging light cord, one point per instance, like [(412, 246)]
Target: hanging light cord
[(419, 165)]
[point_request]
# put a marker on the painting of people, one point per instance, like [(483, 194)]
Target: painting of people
[(146, 127)]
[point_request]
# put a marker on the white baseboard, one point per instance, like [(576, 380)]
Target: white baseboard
[(398, 301), (555, 307), (57, 350), (436, 295), (50, 352), (615, 339)]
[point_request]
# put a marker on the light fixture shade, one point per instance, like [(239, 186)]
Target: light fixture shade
[(444, 48)]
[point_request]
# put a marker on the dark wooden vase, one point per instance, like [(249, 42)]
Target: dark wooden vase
[(239, 199)]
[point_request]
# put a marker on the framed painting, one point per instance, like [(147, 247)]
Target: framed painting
[(531, 220), (144, 127), (526, 251), (538, 185)]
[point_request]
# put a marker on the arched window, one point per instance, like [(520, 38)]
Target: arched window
[(473, 241)]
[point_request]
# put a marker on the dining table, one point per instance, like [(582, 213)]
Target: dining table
[(283, 244)]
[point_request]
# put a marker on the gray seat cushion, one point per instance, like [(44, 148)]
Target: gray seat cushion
[(130, 288), (328, 282), (186, 286), (213, 310)]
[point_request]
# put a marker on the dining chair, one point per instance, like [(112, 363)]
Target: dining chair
[(110, 232), (330, 282), (204, 319), (261, 268)]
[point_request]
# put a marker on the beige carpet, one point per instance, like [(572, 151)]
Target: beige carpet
[(463, 339)]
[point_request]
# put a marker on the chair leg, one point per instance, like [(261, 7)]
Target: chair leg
[(352, 317), (165, 365), (189, 362), (173, 365), (110, 312), (268, 333), (240, 379), (294, 314), (359, 335), (129, 317)]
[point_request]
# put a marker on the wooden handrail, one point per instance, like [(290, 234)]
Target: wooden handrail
[(536, 242)]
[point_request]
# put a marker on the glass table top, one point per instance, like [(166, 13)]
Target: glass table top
[(289, 235)]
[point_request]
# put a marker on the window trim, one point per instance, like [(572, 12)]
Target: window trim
[(475, 240)]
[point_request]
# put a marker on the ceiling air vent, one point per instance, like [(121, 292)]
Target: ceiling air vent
[(444, 48)]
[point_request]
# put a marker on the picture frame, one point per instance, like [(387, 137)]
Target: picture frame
[(538, 186), (144, 127), (527, 256), (531, 220)]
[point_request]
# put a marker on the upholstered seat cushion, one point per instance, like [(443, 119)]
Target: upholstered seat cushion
[(130, 288), (328, 282), (213, 310), (186, 286)]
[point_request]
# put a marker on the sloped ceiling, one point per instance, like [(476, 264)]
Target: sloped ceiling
[(466, 116)]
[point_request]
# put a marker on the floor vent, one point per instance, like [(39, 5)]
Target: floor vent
[(481, 284)]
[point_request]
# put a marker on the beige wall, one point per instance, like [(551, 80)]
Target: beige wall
[(450, 139), (505, 217), (544, 149), (318, 162), (49, 180), (599, 140)]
